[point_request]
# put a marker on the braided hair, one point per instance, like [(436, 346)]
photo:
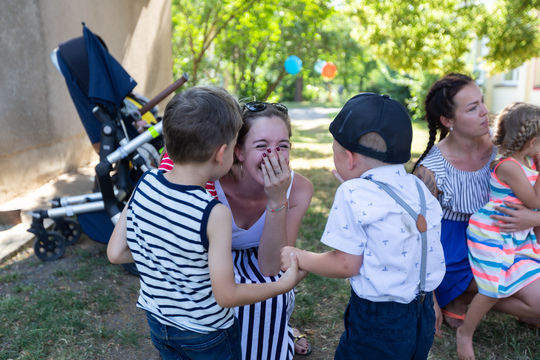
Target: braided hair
[(516, 124), (440, 102)]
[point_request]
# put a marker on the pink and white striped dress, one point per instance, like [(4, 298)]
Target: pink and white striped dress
[(502, 263)]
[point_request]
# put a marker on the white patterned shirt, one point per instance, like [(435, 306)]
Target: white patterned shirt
[(365, 220)]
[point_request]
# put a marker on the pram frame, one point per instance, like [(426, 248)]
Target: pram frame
[(50, 244)]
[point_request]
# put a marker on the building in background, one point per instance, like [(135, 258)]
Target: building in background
[(521, 84)]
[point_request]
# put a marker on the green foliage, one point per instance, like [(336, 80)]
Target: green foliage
[(196, 24), (513, 34), (415, 36), (242, 45), (436, 37), (397, 47)]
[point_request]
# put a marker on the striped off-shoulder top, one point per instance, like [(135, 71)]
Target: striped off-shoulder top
[(461, 193)]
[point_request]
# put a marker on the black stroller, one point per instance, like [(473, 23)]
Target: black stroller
[(102, 93)]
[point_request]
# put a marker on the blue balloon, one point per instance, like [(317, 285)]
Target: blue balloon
[(293, 64), (319, 65)]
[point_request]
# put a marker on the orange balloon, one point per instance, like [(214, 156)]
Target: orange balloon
[(329, 70)]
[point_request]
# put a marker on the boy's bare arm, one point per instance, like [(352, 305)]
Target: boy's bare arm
[(226, 291), (117, 250), (333, 264)]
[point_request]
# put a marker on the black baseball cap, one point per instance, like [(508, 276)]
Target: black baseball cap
[(368, 112)]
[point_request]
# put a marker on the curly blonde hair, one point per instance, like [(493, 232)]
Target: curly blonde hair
[(516, 124)]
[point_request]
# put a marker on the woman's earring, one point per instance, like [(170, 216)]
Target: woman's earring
[(241, 170), (451, 128)]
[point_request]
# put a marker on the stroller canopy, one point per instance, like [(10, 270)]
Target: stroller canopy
[(93, 77)]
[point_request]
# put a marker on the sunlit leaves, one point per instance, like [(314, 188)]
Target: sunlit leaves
[(513, 35), (196, 24), (437, 36)]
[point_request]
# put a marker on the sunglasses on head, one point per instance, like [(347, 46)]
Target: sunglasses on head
[(256, 106)]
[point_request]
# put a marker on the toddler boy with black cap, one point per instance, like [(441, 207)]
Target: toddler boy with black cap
[(385, 228)]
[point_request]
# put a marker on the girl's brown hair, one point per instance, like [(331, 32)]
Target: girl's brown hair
[(516, 124)]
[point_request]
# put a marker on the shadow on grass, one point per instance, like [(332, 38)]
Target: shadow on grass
[(312, 135), (298, 152)]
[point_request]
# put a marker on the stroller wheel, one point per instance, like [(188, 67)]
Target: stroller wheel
[(51, 247), (72, 231)]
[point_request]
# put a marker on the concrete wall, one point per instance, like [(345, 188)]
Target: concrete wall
[(41, 135)]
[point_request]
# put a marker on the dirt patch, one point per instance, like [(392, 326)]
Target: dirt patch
[(84, 266)]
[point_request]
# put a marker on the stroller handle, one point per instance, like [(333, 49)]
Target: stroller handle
[(162, 95), (111, 203)]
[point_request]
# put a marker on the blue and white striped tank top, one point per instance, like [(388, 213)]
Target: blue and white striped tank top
[(462, 193), (166, 231)]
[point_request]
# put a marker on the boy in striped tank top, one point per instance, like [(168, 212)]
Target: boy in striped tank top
[(504, 263), (179, 236)]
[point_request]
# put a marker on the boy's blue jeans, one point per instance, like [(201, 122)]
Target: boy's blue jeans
[(176, 344), (387, 330)]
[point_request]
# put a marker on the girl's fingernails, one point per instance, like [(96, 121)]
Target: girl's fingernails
[(264, 154), (269, 150), (278, 149)]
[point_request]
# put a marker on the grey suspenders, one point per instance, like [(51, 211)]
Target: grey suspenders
[(420, 224)]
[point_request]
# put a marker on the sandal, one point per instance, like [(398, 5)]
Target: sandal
[(453, 324), (296, 339)]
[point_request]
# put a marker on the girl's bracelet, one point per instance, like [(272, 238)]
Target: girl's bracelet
[(280, 208)]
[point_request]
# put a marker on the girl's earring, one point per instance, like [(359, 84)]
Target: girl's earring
[(241, 170), (451, 128)]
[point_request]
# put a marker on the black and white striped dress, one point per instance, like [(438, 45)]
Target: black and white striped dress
[(266, 333)]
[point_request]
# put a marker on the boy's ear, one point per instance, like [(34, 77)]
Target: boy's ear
[(218, 157), (352, 160)]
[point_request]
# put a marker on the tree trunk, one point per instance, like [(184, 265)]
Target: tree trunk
[(298, 97), (274, 85)]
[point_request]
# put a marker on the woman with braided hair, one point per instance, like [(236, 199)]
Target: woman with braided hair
[(457, 171)]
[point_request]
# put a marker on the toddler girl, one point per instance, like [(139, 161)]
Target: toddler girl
[(504, 263)]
